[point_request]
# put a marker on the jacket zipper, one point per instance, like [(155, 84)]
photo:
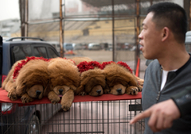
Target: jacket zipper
[(159, 92)]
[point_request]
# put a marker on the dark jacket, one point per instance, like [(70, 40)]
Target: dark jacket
[(151, 94), (183, 101)]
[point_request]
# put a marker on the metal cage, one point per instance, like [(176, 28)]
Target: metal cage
[(108, 117)]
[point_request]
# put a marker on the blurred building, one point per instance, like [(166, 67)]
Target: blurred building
[(85, 21), (9, 26)]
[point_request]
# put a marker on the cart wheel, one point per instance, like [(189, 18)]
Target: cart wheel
[(34, 125)]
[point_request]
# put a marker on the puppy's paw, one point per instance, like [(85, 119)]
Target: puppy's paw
[(141, 82), (66, 106), (55, 100), (12, 95), (140, 88), (132, 90), (53, 97), (26, 99), (67, 100), (82, 93)]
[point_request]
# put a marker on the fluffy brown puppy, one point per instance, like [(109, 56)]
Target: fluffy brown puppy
[(92, 79), (64, 80), (28, 79), (9, 83), (119, 79), (77, 60)]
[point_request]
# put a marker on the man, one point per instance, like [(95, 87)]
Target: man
[(164, 113), (162, 38)]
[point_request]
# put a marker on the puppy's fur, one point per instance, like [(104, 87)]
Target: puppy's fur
[(120, 80), (64, 80), (9, 83), (140, 81), (31, 82), (77, 60), (92, 82)]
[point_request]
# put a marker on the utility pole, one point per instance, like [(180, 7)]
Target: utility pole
[(113, 32), (26, 18), (61, 31), (137, 51), (22, 16), (23, 7)]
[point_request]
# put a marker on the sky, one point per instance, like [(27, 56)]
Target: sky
[(9, 9)]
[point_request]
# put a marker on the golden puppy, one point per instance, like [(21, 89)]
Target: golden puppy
[(77, 60), (92, 79), (9, 83), (119, 79), (28, 79), (64, 80)]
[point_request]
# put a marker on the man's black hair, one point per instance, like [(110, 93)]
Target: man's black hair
[(171, 15)]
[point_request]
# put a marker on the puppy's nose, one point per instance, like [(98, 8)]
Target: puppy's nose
[(119, 90), (60, 91), (98, 91), (38, 93)]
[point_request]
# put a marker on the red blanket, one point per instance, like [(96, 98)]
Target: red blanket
[(105, 97)]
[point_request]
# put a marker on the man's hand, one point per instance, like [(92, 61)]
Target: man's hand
[(161, 115)]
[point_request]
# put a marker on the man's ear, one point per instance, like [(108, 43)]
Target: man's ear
[(165, 33)]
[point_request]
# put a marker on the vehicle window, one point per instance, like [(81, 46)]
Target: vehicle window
[(40, 52), (52, 53), (20, 52)]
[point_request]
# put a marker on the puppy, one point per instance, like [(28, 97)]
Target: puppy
[(64, 80), (9, 83), (92, 79), (77, 60), (27, 79), (119, 79)]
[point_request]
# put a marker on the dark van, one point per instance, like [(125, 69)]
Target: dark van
[(31, 118)]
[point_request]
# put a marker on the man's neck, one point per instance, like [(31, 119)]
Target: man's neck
[(173, 62)]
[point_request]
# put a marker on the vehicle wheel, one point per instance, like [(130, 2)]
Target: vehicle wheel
[(34, 125)]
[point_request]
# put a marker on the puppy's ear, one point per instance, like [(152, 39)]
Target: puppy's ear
[(106, 79), (106, 89), (79, 89), (73, 87), (50, 87), (84, 80), (46, 90)]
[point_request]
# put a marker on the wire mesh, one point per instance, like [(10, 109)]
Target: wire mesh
[(108, 117)]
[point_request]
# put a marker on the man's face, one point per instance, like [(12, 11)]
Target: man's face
[(150, 38)]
